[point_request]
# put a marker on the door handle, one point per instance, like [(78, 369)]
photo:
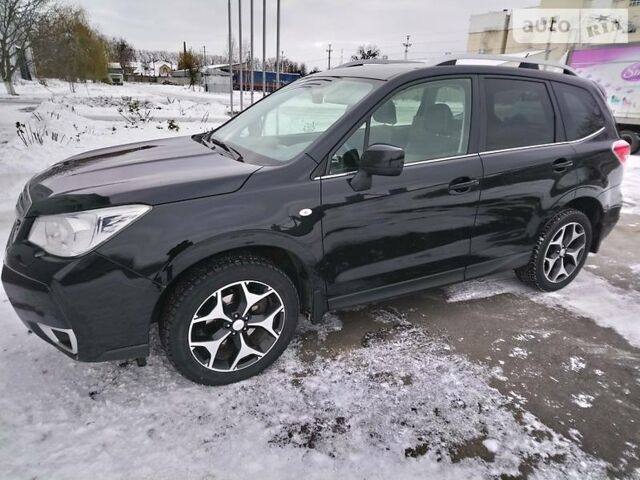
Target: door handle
[(462, 185), (562, 164)]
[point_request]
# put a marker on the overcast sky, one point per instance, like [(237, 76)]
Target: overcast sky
[(308, 26)]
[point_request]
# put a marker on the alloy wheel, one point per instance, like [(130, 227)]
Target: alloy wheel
[(564, 253), (236, 326)]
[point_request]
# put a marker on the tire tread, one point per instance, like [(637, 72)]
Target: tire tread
[(528, 274)]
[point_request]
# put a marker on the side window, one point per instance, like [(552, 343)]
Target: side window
[(430, 120), (518, 113), (580, 112), (347, 157)]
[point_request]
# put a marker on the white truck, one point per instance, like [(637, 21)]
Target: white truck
[(116, 75), (616, 68)]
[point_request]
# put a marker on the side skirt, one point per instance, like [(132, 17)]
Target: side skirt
[(397, 289), (498, 265)]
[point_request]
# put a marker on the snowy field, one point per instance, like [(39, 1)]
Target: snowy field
[(485, 379)]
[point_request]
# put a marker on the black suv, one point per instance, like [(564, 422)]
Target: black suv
[(349, 186)]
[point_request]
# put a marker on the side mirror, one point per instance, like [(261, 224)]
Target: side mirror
[(378, 159)]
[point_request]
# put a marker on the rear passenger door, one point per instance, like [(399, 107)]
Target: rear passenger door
[(527, 166)]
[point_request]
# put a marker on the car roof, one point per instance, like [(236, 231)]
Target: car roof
[(387, 69), (377, 71)]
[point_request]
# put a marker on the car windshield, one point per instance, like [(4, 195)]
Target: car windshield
[(282, 125)]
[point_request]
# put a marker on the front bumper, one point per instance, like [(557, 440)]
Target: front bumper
[(90, 308)]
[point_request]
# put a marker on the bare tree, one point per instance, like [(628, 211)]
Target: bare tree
[(122, 52), (366, 52), (147, 61), (17, 20)]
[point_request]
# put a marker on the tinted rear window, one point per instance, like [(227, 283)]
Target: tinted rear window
[(581, 114), (518, 114)]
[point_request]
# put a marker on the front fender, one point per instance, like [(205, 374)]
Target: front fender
[(192, 254)]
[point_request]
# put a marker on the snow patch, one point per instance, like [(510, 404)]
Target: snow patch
[(593, 297), (484, 288), (589, 295), (583, 400), (631, 186), (575, 435), (518, 352), (523, 337), (575, 364), (330, 323), (492, 445)]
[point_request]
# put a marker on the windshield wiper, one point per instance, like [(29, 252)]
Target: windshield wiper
[(210, 141)]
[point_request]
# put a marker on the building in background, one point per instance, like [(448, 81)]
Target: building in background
[(492, 32), (151, 69), (216, 78), (164, 69), (271, 84)]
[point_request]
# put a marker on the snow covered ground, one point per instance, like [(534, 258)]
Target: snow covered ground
[(478, 380)]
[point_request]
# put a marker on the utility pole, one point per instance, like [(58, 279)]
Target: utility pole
[(505, 32), (240, 53), (341, 56), (329, 50), (264, 48), (277, 44), (251, 52), (203, 70), (406, 45), (230, 61), (547, 50)]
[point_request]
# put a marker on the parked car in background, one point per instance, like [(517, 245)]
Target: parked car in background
[(616, 68), (115, 73), (349, 186)]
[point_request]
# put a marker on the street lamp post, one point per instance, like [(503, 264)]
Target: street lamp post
[(251, 52), (278, 44), (264, 47), (230, 62), (240, 52)]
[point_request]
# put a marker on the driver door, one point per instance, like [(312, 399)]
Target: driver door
[(412, 231)]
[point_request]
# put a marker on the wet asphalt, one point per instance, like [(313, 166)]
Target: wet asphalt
[(579, 378)]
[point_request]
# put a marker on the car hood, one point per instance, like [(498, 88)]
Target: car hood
[(154, 172)]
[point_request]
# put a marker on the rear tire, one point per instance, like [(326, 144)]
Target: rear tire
[(229, 319), (632, 139), (559, 253)]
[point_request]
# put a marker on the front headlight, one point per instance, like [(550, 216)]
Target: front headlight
[(74, 234)]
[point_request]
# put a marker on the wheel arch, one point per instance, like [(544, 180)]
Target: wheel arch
[(293, 258), (592, 208), (584, 200)]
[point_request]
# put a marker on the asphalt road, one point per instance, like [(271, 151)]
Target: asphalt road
[(579, 378)]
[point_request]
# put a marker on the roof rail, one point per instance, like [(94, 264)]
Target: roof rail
[(523, 62), (374, 61)]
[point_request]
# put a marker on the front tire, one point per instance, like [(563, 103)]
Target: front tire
[(229, 319), (559, 253)]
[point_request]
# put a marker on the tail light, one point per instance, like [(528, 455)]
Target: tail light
[(621, 150)]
